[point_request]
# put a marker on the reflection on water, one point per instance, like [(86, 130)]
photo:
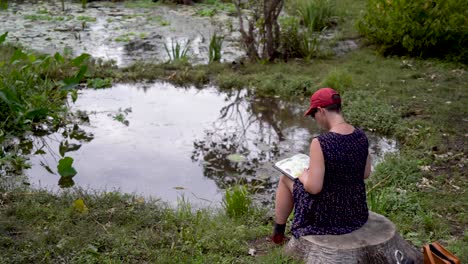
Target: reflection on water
[(162, 141)]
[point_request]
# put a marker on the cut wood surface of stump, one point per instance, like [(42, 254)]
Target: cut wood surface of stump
[(377, 242)]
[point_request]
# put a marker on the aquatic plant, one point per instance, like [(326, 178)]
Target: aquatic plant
[(98, 83), (237, 201), (214, 49), (125, 37), (83, 3), (177, 52), (315, 14), (86, 18)]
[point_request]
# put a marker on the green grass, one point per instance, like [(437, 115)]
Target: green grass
[(211, 8), (113, 227), (127, 37)]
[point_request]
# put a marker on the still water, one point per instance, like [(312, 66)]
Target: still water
[(169, 142)]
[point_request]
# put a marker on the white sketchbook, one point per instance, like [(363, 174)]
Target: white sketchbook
[(293, 166)]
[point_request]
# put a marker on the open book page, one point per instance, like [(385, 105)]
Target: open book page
[(293, 166)]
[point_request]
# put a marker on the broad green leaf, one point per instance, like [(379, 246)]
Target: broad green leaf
[(32, 58), (58, 57), (65, 168), (80, 59), (3, 37), (236, 158), (37, 114), (74, 95), (80, 206), (81, 73), (18, 55)]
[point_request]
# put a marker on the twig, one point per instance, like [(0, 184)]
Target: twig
[(377, 184)]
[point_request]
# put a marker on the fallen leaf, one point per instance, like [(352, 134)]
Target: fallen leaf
[(80, 206)]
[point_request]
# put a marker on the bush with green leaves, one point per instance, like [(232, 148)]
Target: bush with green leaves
[(418, 27), (34, 88)]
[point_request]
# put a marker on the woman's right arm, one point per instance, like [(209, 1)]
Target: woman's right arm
[(367, 171)]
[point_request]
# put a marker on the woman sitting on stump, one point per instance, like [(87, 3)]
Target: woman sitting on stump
[(330, 196)]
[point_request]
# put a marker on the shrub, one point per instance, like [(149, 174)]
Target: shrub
[(418, 27)]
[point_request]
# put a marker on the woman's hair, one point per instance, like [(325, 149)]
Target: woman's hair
[(336, 107)]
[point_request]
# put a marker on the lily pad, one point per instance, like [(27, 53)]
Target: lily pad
[(236, 158), (65, 168)]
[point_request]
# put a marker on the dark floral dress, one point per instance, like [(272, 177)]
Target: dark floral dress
[(341, 206)]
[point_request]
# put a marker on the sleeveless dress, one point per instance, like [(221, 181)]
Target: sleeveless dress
[(341, 206)]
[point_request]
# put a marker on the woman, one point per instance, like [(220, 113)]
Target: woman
[(330, 196)]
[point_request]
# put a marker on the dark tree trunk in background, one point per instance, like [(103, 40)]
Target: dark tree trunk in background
[(266, 37), (271, 11)]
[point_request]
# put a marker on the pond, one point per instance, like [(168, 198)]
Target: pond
[(170, 142), (124, 32)]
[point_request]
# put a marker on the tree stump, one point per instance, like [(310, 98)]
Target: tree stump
[(377, 242)]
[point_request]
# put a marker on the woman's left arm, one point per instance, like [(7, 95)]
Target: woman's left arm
[(312, 178)]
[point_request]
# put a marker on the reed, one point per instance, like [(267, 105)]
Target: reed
[(177, 51), (215, 47)]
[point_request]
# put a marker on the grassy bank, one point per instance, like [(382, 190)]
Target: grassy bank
[(84, 227)]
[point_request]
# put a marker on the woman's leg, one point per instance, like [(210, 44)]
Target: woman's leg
[(284, 200)]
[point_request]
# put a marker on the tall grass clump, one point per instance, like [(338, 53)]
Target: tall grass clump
[(418, 27), (214, 49), (177, 51), (237, 201), (315, 14)]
